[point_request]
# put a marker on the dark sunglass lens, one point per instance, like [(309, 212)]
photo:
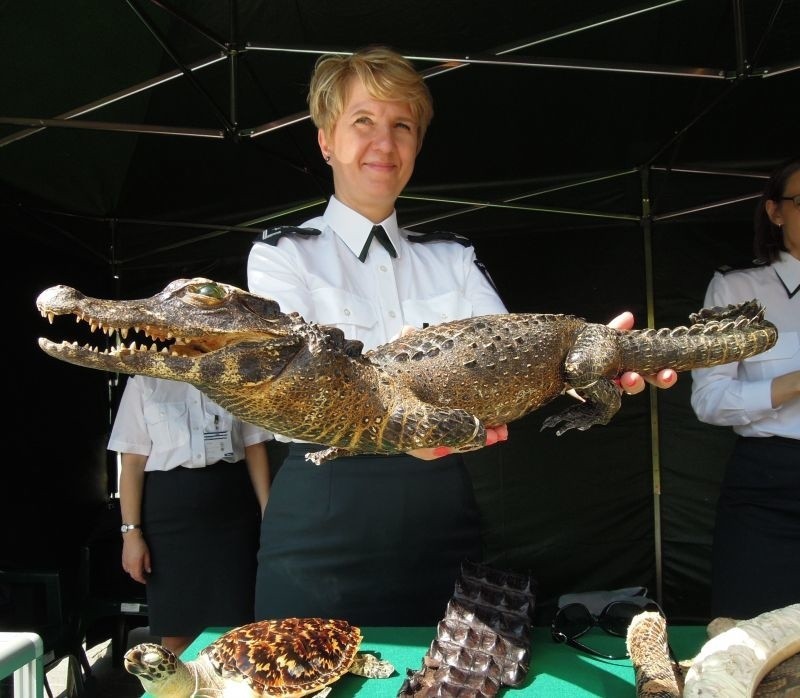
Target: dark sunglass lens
[(618, 616), (573, 620)]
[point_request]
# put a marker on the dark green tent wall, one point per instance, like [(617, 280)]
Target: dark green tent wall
[(601, 158)]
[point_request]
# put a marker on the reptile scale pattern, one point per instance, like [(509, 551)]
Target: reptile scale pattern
[(483, 641)]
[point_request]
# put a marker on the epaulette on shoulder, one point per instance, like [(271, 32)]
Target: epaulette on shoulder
[(741, 266), (272, 235), (440, 235)]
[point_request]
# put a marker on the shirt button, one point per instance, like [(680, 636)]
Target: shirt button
[(346, 311), (383, 267), (392, 313)]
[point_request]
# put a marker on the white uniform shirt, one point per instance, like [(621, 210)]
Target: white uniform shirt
[(322, 278), (175, 424), (738, 394)]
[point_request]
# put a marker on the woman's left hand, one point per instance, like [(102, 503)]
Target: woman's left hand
[(632, 382), (629, 382)]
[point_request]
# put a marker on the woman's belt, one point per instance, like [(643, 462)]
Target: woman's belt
[(773, 440)]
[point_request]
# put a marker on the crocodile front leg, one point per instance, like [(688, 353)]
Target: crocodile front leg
[(414, 424), (588, 368)]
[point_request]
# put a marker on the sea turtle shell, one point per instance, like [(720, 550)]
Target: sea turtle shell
[(288, 658)]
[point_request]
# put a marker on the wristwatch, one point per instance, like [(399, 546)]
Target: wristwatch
[(129, 527)]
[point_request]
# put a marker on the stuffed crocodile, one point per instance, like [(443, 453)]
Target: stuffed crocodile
[(439, 386)]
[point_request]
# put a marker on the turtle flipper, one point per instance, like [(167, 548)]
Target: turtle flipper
[(366, 664)]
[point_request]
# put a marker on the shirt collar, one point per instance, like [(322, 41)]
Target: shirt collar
[(353, 229), (787, 268)]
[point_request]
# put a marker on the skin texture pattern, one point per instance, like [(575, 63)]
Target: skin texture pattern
[(438, 386), (285, 658)]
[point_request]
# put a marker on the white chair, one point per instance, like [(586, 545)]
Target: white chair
[(21, 656)]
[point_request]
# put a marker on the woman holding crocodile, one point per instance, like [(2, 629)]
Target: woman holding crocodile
[(756, 547), (375, 540)]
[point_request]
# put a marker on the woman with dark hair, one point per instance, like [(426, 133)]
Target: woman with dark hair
[(756, 549), (771, 239)]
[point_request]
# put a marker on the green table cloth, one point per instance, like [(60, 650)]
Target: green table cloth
[(556, 670)]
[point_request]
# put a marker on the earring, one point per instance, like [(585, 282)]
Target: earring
[(327, 158)]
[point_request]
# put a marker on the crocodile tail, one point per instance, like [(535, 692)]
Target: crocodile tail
[(716, 336)]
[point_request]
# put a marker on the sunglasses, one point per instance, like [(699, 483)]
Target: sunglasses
[(575, 620)]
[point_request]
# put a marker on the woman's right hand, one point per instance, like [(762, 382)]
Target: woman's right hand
[(135, 556), (493, 436)]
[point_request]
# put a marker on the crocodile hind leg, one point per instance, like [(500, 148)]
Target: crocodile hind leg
[(602, 403), (593, 358)]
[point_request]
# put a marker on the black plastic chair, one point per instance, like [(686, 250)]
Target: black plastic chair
[(40, 601)]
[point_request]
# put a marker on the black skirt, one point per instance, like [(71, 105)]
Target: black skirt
[(756, 550), (374, 540), (201, 525)]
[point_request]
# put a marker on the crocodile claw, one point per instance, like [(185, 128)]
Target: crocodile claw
[(573, 418)]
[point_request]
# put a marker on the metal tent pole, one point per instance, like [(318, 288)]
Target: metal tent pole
[(655, 456)]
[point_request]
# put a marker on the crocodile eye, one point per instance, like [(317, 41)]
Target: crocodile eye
[(211, 290)]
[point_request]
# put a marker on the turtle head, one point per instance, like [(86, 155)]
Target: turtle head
[(160, 672)]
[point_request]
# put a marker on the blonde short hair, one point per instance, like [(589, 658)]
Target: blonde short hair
[(387, 76)]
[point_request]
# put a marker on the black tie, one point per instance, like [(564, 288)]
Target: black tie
[(377, 233), (789, 293)]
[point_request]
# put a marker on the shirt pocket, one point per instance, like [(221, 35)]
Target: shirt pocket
[(783, 358), (217, 418), (167, 424), (351, 313), (435, 310)]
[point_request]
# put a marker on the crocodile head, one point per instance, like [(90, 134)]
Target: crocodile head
[(196, 330)]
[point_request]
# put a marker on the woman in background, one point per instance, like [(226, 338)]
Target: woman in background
[(193, 485), (756, 547)]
